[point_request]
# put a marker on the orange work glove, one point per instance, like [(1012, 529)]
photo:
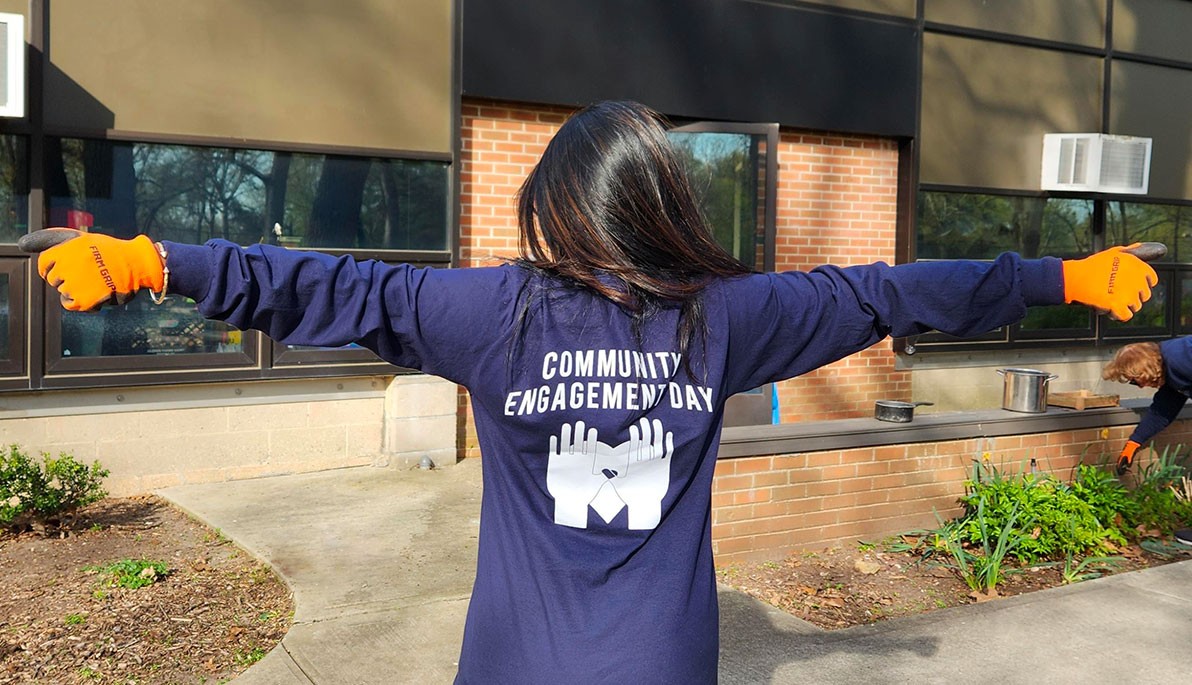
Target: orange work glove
[(92, 269), (1126, 458), (1111, 280)]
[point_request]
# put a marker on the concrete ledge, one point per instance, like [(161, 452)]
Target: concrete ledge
[(791, 438)]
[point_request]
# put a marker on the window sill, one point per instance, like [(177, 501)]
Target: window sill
[(818, 436)]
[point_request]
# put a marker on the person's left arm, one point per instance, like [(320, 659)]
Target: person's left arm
[(790, 323), (786, 324)]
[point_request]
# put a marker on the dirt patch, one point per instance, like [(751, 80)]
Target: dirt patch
[(214, 613), (849, 586)]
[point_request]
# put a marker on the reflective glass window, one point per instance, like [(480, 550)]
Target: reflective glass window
[(192, 194), (727, 172), (1136, 222), (14, 188), (973, 226)]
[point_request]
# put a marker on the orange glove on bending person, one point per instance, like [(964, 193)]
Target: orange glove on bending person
[(1112, 280), (1126, 458), (92, 269)]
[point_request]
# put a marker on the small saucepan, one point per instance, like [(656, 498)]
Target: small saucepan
[(895, 411)]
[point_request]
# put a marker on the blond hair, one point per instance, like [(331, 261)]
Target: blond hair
[(1141, 363)]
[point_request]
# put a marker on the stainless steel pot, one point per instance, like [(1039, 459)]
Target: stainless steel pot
[(895, 411), (1025, 390)]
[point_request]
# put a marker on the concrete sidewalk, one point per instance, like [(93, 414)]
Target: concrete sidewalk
[(381, 564)]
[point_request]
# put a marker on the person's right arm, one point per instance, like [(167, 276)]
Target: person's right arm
[(436, 320)]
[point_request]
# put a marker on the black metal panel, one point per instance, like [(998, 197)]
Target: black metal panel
[(733, 60)]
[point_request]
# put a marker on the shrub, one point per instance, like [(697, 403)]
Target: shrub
[(39, 492), (1159, 506), (1112, 504), (1053, 518)]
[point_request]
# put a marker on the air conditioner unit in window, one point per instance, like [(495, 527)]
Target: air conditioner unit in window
[(1096, 162)]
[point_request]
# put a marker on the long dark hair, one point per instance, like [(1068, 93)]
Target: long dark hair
[(610, 197)]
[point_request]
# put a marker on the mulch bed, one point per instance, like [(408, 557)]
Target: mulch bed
[(215, 612)]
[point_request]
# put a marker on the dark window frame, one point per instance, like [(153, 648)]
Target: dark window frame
[(18, 278), (260, 359), (1102, 332)]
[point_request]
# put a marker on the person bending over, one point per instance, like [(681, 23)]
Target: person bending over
[(1167, 367)]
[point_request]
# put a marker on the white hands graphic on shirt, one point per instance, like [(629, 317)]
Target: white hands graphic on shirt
[(581, 471)]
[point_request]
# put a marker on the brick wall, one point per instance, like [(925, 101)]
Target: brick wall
[(500, 144), (764, 508), (836, 204)]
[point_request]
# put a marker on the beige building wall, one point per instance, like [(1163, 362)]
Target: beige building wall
[(159, 437), (987, 105), (1155, 102), (901, 8), (1081, 22), (1157, 28), (356, 73), (960, 381)]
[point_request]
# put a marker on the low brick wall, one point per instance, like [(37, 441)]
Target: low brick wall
[(767, 507)]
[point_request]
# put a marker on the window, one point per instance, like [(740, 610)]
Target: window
[(971, 226), (734, 174), (12, 316), (733, 171), (14, 188), (370, 206), (954, 225), (193, 194)]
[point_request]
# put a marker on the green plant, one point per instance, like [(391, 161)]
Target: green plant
[(1165, 469), (40, 491), (1043, 507), (250, 657), (131, 573), (1088, 567), (984, 570), (75, 619), (1104, 493)]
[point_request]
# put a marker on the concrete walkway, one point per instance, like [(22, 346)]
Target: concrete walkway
[(381, 564)]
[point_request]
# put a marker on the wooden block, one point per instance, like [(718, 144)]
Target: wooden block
[(1082, 399)]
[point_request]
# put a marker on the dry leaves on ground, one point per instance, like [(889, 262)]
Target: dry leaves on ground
[(848, 586), (214, 612)]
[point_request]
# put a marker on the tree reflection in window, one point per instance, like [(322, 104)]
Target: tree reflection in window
[(192, 194), (725, 171), (972, 226)]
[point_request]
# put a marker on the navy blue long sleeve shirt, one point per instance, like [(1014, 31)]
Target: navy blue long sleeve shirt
[(595, 552)]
